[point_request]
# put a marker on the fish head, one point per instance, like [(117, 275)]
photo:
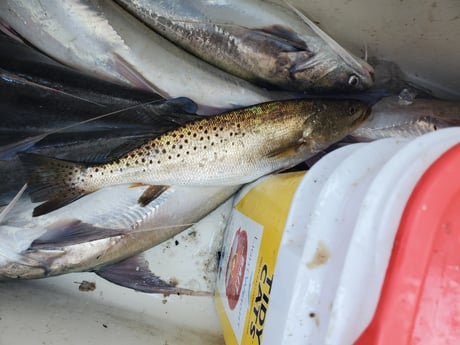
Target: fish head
[(333, 120), (332, 67), (326, 72)]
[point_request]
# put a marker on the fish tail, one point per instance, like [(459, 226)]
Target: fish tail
[(57, 182)]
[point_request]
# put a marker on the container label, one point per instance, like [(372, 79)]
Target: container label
[(249, 254), (241, 258)]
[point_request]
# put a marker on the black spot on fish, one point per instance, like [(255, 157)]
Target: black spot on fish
[(174, 146), (159, 162), (181, 146), (169, 157), (150, 161), (194, 135), (96, 170), (164, 151), (168, 142), (143, 160)]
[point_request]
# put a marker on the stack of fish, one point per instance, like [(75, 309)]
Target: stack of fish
[(121, 163)]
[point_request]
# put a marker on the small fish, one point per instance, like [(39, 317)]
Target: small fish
[(291, 53), (390, 118), (232, 148), (105, 234)]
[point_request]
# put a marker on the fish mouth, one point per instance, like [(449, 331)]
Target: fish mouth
[(366, 113), (368, 71), (372, 75)]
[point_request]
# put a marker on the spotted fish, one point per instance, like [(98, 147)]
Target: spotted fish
[(231, 148)]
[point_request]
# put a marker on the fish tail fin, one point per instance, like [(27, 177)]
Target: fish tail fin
[(55, 181), (134, 273)]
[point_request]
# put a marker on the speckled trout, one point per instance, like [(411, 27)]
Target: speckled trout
[(231, 148)]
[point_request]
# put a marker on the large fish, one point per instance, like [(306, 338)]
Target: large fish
[(232, 148), (391, 118), (29, 65), (39, 96), (103, 234), (100, 37), (287, 51)]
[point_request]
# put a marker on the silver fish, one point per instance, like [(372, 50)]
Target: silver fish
[(103, 234), (291, 52), (390, 118), (98, 36), (232, 148)]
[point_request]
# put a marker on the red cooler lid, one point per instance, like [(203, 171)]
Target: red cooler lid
[(420, 300)]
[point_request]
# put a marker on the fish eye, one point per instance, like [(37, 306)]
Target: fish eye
[(351, 110), (353, 80)]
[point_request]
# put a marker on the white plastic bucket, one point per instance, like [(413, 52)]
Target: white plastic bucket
[(336, 242)]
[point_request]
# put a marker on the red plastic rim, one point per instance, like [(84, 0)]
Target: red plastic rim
[(420, 300)]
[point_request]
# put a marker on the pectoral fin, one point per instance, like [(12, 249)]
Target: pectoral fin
[(71, 231), (286, 35), (151, 193), (284, 152)]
